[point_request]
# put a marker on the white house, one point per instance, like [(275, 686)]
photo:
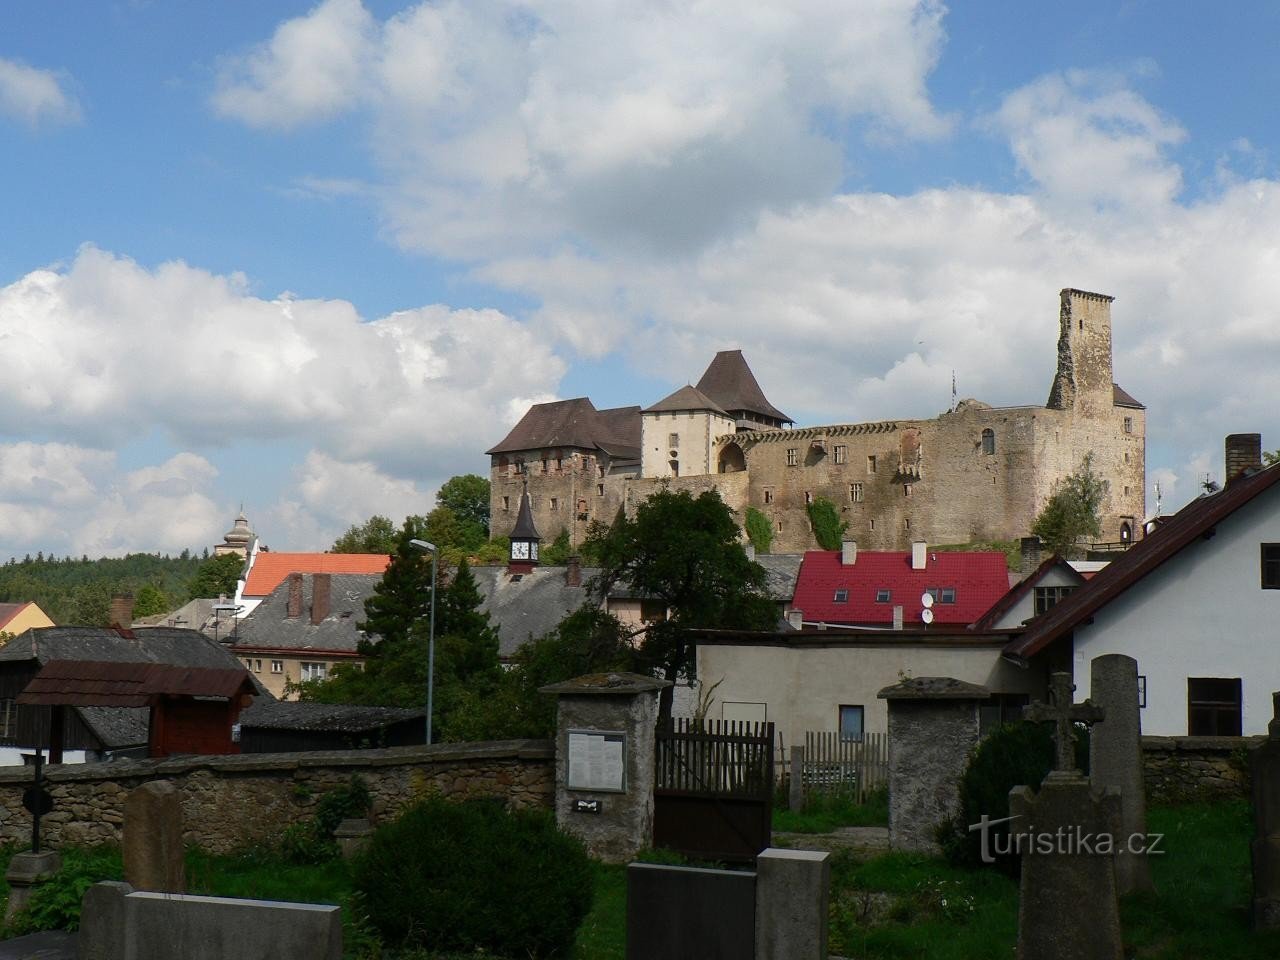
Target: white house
[(1196, 603)]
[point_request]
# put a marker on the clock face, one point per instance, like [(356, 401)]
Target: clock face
[(519, 550), (533, 551)]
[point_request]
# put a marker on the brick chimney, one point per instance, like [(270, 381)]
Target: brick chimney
[(319, 597), (121, 610), (848, 553), (294, 609), (919, 554), (1244, 453), (1030, 553), (573, 572)]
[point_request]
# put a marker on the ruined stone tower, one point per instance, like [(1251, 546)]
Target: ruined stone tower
[(1084, 378)]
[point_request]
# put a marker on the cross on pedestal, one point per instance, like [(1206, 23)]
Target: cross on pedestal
[(1062, 713)]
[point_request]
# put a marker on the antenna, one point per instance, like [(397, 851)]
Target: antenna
[(926, 615), (1157, 498)]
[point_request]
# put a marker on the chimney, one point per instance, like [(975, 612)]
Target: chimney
[(919, 554), (848, 553), (573, 572), (319, 597), (1244, 454), (795, 618), (294, 610), (751, 551), (897, 618), (1030, 554), (121, 610)]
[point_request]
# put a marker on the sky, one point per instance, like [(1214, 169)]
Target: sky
[(315, 259)]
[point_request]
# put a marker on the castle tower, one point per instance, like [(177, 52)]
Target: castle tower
[(238, 539), (677, 434), (1084, 378)]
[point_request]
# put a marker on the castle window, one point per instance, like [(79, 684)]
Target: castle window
[(673, 441), (906, 523), (559, 463), (855, 493), (841, 453), (1126, 490), (871, 463), (599, 489), (506, 504), (1126, 456), (906, 489), (793, 456), (779, 526), (675, 467), (544, 465), (768, 496), (1128, 424), (989, 442), (873, 525), (555, 503), (808, 498)]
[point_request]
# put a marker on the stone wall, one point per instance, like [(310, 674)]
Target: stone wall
[(230, 802), (1184, 769)]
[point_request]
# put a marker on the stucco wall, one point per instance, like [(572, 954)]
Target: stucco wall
[(694, 432), (233, 802)]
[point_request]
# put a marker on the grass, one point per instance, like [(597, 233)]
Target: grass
[(827, 813)]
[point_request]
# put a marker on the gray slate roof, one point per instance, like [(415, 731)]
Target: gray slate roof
[(729, 382), (530, 606), (686, 398), (268, 628), (574, 423), (340, 717), (783, 570)]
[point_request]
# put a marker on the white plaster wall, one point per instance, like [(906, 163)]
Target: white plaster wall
[(1201, 614), (1025, 608), (697, 431), (803, 687)]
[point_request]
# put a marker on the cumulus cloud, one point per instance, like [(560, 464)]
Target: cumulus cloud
[(35, 96)]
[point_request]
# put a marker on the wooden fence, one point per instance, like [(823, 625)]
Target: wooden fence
[(853, 768)]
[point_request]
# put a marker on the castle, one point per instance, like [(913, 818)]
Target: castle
[(973, 473)]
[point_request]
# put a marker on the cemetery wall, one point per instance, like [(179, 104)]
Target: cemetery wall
[(1181, 769), (230, 802)]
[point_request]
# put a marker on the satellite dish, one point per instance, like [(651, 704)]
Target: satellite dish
[(926, 615), (926, 600)]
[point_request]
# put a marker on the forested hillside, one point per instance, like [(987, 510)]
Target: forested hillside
[(78, 591)]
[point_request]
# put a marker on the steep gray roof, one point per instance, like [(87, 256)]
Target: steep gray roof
[(783, 570), (1122, 398), (194, 615), (529, 606), (574, 423), (173, 645), (686, 398), (729, 382), (117, 727), (268, 627)]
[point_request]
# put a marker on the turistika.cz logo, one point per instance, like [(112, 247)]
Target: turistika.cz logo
[(1069, 841)]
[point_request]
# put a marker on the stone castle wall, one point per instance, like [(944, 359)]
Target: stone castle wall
[(234, 802), (1196, 769)]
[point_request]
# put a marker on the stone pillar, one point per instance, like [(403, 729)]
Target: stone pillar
[(1264, 765), (152, 847), (605, 733), (793, 888), (27, 871), (933, 727), (1115, 760)]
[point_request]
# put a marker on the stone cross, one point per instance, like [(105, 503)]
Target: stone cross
[(1062, 713)]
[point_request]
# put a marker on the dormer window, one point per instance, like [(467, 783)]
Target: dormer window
[(884, 595), (840, 596)]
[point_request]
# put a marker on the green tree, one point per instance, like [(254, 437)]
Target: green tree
[(402, 597), (1270, 457), (149, 601), (759, 530), (559, 551), (828, 529), (684, 551), (216, 576), (468, 497), (1072, 512), (375, 535)]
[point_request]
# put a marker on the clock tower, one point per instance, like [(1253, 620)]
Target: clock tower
[(524, 539)]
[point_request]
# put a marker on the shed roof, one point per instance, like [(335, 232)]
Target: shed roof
[(338, 717), (171, 645), (100, 683)]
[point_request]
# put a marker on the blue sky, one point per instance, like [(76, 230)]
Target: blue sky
[(316, 258)]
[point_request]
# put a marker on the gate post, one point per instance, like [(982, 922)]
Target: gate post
[(605, 730)]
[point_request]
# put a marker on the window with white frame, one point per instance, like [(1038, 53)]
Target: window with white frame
[(277, 666), (314, 671)]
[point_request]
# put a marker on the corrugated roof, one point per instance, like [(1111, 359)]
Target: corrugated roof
[(574, 424), (269, 627), (99, 683), (270, 569), (979, 580), (686, 398), (729, 382)]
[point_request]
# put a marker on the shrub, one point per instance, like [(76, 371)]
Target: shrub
[(759, 530), (55, 904), (312, 842), (472, 876), (825, 520)]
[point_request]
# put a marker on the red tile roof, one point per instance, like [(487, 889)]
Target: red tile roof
[(979, 579), (270, 569)]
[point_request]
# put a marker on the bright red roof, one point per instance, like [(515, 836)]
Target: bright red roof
[(270, 569), (979, 580)]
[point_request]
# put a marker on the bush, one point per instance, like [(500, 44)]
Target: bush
[(759, 530), (828, 530), (55, 904), (1017, 754), (472, 876), (312, 842)]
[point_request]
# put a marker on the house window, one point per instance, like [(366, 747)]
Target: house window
[(906, 489), (850, 722), (884, 595), (768, 496), (871, 463), (942, 594), (1128, 424), (314, 671), (257, 666), (673, 441), (277, 666), (1046, 597), (1271, 566), (506, 504), (555, 503), (841, 453), (989, 442), (855, 493), (793, 456), (599, 489), (840, 596), (653, 611), (1213, 707), (8, 720)]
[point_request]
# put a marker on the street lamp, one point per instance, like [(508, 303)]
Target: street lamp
[(430, 548)]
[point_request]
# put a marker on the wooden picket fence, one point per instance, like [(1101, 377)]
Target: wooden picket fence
[(853, 768)]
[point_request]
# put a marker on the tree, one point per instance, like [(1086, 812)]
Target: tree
[(149, 601), (1270, 457), (1072, 512), (216, 576), (828, 530), (402, 597), (559, 551), (468, 497), (683, 551), (375, 535)]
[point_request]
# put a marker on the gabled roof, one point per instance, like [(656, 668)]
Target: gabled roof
[(1023, 587), (177, 647), (270, 568), (10, 610), (1121, 398), (1185, 528), (686, 398), (979, 579), (782, 571), (530, 604), (574, 423), (269, 627), (729, 382)]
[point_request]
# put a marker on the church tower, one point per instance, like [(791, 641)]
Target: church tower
[(1084, 378)]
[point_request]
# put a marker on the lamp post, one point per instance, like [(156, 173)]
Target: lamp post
[(430, 548)]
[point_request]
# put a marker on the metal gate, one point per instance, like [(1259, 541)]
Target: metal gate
[(713, 794)]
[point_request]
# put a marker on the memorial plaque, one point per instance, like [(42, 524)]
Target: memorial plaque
[(597, 760)]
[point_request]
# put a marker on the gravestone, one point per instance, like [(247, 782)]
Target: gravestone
[(605, 733), (1115, 760), (690, 913), (1264, 765), (793, 889), (933, 727), (1067, 905), (152, 847)]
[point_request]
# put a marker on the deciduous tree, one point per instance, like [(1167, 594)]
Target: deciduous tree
[(1073, 511)]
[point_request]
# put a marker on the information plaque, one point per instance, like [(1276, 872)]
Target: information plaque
[(597, 760)]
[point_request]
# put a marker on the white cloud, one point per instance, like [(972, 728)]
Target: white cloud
[(35, 96)]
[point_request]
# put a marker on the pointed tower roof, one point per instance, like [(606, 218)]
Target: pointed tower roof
[(686, 398), (240, 534), (730, 383), (524, 528)]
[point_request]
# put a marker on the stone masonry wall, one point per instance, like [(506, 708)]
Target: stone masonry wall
[(1184, 769), (232, 802)]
